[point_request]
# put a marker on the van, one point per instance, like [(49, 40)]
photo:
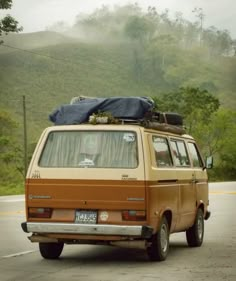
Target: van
[(122, 184)]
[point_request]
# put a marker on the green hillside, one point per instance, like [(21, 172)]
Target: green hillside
[(57, 73), (49, 69), (34, 40), (52, 75)]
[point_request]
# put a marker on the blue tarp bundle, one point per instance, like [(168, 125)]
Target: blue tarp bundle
[(119, 107)]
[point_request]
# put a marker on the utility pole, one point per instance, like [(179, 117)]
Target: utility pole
[(25, 138)]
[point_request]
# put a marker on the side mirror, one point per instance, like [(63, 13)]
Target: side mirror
[(209, 162)]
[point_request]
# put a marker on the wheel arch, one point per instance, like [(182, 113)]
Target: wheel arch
[(201, 206), (168, 215)]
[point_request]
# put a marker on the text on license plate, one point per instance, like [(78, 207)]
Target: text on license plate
[(85, 216)]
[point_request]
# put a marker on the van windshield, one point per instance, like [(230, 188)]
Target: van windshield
[(94, 149)]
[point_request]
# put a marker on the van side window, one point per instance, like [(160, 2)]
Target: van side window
[(162, 151), (180, 153), (195, 156)]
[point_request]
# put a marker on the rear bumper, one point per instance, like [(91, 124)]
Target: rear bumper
[(88, 229)]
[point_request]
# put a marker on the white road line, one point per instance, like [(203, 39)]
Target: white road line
[(12, 200), (18, 254)]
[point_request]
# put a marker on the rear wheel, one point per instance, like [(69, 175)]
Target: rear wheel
[(51, 250), (159, 248), (195, 233)]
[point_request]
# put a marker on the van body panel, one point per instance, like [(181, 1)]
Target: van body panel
[(160, 201), (65, 196), (174, 189), (202, 191)]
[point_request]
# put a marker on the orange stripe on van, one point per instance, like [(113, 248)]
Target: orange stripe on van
[(98, 194)]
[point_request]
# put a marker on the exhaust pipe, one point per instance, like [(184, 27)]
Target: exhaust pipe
[(136, 244), (42, 239)]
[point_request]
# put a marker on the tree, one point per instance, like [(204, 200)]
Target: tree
[(179, 28), (196, 106), (224, 42), (218, 42), (160, 48), (140, 29), (200, 15), (166, 23), (11, 154), (218, 138), (213, 127), (8, 23), (191, 34)]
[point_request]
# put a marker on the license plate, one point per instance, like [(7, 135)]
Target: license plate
[(86, 217)]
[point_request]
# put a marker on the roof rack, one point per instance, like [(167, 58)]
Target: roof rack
[(165, 127), (165, 121), (180, 130), (155, 125)]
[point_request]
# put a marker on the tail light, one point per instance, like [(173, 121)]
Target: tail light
[(39, 212), (134, 215)]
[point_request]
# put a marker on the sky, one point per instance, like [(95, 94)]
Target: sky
[(36, 15)]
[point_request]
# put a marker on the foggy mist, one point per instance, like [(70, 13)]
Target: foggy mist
[(36, 15)]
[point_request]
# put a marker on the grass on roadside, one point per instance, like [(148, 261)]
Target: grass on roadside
[(11, 189)]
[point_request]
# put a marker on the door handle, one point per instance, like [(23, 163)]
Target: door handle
[(194, 180)]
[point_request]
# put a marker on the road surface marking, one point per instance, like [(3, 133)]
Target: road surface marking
[(11, 213), (12, 200), (18, 254), (223, 192)]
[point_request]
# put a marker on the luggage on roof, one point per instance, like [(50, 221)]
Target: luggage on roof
[(120, 107), (124, 109)]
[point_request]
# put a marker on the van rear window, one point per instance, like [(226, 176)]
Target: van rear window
[(94, 149)]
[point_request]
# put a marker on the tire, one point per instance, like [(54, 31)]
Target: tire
[(195, 234), (51, 250), (159, 248)]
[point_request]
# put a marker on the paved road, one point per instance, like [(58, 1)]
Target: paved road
[(215, 260)]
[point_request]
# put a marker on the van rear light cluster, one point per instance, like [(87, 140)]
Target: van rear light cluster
[(40, 212), (134, 215)]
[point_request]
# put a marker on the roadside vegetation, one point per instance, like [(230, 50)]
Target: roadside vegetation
[(123, 51)]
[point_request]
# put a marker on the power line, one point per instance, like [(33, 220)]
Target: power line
[(37, 54)]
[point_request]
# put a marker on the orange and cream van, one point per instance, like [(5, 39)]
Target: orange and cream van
[(115, 184)]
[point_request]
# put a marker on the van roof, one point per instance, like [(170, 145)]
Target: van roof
[(115, 127)]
